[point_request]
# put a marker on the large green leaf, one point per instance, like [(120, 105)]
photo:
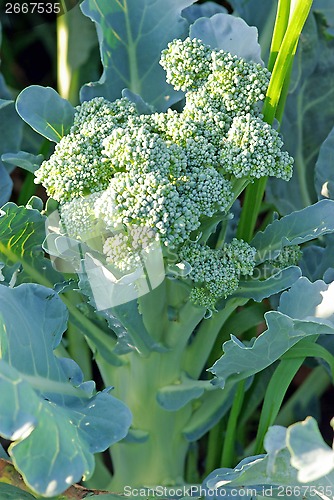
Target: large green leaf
[(298, 465), (132, 34), (55, 420), (24, 160), (261, 289), (326, 9), (260, 14), (324, 168), (229, 33), (10, 127), (10, 139), (6, 185), (45, 111), (22, 231), (317, 260), (295, 229), (207, 9), (9, 492), (176, 396), (307, 309)]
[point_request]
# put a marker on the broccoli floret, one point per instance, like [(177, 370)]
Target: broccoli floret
[(253, 148), (165, 174), (239, 83), (288, 256), (216, 273), (78, 218), (125, 251), (77, 167), (187, 64)]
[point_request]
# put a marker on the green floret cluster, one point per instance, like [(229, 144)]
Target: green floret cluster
[(288, 256), (223, 95), (253, 148), (187, 64), (78, 217), (216, 273), (125, 174), (77, 167)]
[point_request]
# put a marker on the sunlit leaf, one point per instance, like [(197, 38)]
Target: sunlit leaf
[(132, 34), (44, 398)]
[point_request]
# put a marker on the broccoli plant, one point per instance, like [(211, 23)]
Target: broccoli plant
[(150, 222)]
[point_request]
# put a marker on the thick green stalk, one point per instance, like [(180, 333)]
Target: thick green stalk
[(277, 89), (158, 456)]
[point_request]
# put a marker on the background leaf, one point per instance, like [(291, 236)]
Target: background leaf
[(22, 232), (132, 34), (307, 309), (229, 33), (266, 475), (310, 455), (9, 492), (24, 160), (324, 168), (207, 9), (10, 139), (45, 111), (6, 185), (295, 229), (52, 403), (262, 289)]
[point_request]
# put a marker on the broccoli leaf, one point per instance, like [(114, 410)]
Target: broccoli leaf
[(294, 229), (22, 231), (24, 160), (6, 185), (306, 309), (317, 259), (132, 34), (9, 492), (206, 9), (176, 396), (10, 127), (297, 457), (326, 9), (324, 173), (229, 33), (262, 289), (310, 455), (45, 111), (44, 398), (10, 139), (259, 14)]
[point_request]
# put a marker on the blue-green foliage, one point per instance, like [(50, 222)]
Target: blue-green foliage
[(324, 169), (24, 160), (222, 31), (307, 309), (298, 464), (295, 229), (132, 35), (23, 255), (52, 403), (45, 111), (11, 134)]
